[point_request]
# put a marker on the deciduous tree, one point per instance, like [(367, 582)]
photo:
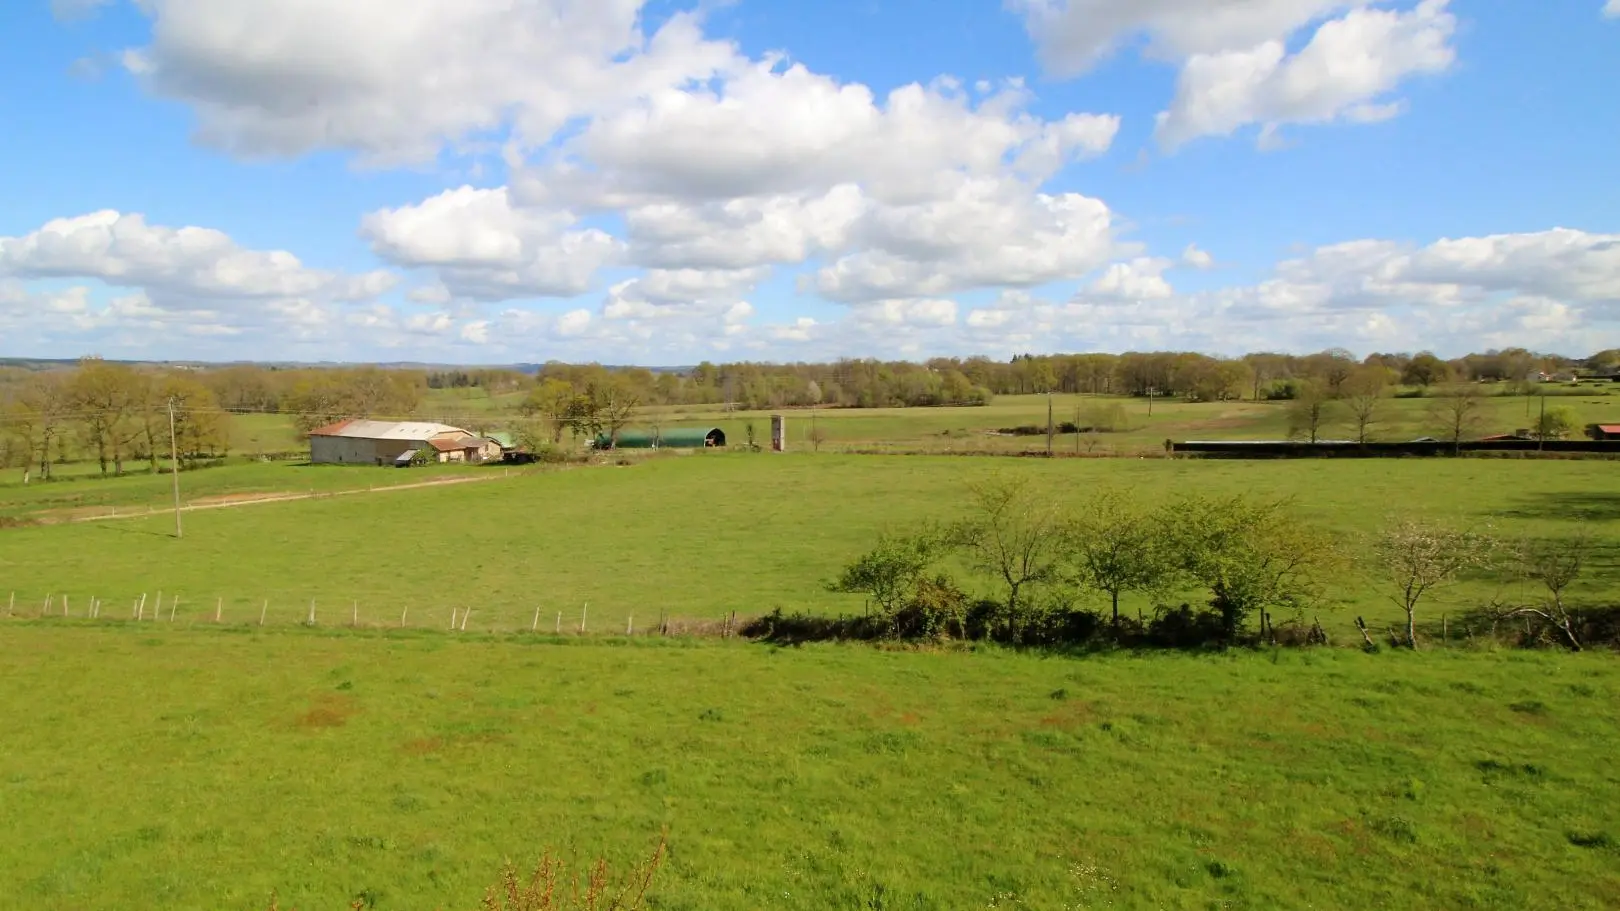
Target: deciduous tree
[(1113, 546), (1425, 370), (1556, 422), (1363, 396), (890, 571), (1457, 413), (1252, 555), (1311, 410), (1417, 558), (1012, 533)]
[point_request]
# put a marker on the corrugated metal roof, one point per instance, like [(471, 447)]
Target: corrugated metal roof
[(453, 442), (386, 430), (1609, 428)]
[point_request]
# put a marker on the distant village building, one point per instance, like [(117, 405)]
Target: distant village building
[(360, 442), (1603, 431)]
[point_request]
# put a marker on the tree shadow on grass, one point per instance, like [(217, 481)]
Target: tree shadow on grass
[(1588, 506)]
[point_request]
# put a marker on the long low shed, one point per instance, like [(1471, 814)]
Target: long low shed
[(668, 438)]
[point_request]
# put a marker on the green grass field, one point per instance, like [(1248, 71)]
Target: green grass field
[(176, 769), (702, 535), (178, 764)]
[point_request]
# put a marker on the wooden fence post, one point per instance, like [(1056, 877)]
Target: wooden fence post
[(535, 626), (157, 608), (64, 605), (559, 623), (464, 615), (1445, 631), (219, 607), (174, 607), (630, 626), (46, 610), (403, 611), (452, 619), (354, 619), (312, 612), (264, 610), (11, 604), (582, 617)]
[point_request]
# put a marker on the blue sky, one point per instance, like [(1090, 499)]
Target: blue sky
[(662, 182)]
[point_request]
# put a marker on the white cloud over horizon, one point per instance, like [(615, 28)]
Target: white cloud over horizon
[(658, 194), (1557, 289)]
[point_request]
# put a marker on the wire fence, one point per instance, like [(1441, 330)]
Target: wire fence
[(177, 610)]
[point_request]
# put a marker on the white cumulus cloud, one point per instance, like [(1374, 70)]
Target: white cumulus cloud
[(177, 267), (481, 247), (1348, 66), (395, 80)]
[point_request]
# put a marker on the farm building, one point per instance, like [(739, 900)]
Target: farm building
[(361, 442), (669, 438), (1603, 431)]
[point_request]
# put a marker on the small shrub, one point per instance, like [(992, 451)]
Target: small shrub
[(1184, 627), (1395, 828)]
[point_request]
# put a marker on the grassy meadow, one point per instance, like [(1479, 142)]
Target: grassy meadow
[(186, 769), (705, 534), (181, 764)]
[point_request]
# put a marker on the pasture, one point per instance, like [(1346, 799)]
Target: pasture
[(197, 769), (703, 535), (181, 764)]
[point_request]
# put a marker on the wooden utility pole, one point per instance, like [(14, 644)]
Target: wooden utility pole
[(174, 466), (1541, 425), (1049, 422)]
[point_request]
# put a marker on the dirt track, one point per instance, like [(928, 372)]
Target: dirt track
[(227, 501)]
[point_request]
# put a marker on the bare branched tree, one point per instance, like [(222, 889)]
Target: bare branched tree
[(1457, 413), (1555, 564), (1363, 395)]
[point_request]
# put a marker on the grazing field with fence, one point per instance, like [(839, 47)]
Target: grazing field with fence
[(704, 536)]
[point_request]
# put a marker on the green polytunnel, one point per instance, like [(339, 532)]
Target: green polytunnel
[(666, 438)]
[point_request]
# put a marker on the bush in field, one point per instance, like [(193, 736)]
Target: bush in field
[(936, 609), (890, 571), (1184, 627), (1252, 555)]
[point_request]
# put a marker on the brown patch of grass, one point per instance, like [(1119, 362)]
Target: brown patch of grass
[(1072, 716), (328, 710), (423, 746)]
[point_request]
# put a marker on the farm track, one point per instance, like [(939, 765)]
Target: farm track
[(228, 501)]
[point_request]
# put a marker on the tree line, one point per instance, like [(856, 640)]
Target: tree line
[(115, 414), (108, 410), (1054, 573)]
